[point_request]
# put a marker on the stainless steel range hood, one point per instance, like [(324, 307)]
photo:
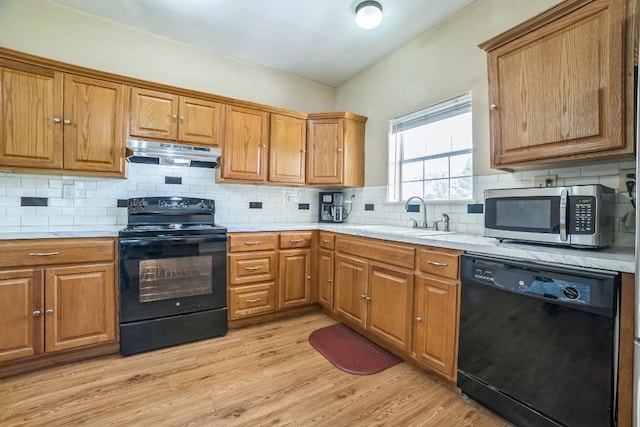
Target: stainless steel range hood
[(170, 154)]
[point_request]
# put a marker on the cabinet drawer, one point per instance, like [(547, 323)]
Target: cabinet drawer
[(327, 240), (252, 268), (17, 253), (300, 239), (439, 262), (251, 300), (243, 242), (389, 253)]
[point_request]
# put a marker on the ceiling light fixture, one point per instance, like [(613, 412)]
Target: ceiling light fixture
[(368, 14)]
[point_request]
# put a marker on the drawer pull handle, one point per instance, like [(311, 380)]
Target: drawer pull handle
[(254, 300), (296, 240), (325, 241), (254, 242), (257, 267), (50, 311), (436, 263), (36, 313), (44, 253)]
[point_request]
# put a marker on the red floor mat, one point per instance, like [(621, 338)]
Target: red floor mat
[(350, 351)]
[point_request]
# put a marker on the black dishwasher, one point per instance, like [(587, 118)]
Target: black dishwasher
[(538, 343)]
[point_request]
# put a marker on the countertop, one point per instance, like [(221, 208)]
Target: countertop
[(612, 259)]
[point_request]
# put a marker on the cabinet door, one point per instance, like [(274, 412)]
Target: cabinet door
[(436, 323), (79, 306), (325, 278), (94, 119), (294, 277), (245, 150), (199, 121), (287, 147), (153, 114), (390, 305), (21, 316), (30, 116), (325, 151), (350, 290), (557, 91)]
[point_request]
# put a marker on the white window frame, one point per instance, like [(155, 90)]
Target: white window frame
[(440, 111)]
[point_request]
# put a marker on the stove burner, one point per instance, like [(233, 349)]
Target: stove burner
[(174, 216)]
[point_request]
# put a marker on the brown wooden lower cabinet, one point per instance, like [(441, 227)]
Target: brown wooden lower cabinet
[(436, 303), (55, 295), (294, 277), (53, 309), (389, 296), (325, 278), (269, 273), (375, 298)]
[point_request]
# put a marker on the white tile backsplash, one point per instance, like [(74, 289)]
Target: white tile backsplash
[(94, 202)]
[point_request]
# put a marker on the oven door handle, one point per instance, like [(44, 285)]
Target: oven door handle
[(145, 241)]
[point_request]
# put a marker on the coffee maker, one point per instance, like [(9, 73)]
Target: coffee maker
[(331, 207)]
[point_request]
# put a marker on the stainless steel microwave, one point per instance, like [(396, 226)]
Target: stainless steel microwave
[(579, 216)]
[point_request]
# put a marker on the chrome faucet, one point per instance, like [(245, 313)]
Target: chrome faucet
[(424, 205)]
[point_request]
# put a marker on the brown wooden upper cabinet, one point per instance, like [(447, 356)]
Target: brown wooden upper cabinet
[(50, 120), (246, 144), (561, 85), (165, 116), (335, 149), (287, 149)]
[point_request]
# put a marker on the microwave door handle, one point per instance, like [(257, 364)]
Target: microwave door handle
[(564, 195)]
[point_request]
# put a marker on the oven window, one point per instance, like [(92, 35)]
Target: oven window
[(169, 278)]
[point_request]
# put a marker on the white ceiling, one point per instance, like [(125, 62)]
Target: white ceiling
[(317, 40)]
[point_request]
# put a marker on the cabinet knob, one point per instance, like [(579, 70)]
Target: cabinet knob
[(368, 298), (49, 311), (303, 151), (56, 120), (67, 121), (363, 296), (493, 106), (418, 319), (174, 116), (36, 313), (263, 145), (330, 280), (181, 117), (339, 150), (308, 277)]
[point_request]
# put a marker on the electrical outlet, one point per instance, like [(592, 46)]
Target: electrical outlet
[(622, 186), (67, 191), (545, 180)]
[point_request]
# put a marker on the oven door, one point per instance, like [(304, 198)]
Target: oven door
[(538, 215), (166, 276)]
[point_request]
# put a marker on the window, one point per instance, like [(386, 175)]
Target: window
[(430, 153)]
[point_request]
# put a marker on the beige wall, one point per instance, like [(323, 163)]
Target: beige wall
[(50, 30), (437, 65)]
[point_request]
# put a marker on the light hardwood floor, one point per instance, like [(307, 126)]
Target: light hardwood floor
[(255, 376)]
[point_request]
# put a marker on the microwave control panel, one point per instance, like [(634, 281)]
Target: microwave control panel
[(582, 214)]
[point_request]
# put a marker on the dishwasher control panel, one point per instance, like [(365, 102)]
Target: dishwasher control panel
[(551, 283)]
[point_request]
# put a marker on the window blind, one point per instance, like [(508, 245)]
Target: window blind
[(444, 110)]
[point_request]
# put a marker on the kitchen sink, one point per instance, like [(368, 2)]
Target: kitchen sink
[(389, 229)]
